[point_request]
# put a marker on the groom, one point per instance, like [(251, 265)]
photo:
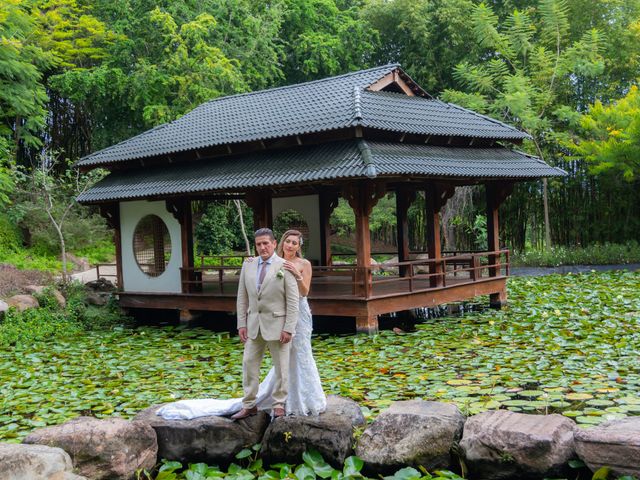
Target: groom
[(267, 307)]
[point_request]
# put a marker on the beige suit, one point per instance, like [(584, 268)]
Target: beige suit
[(265, 314)]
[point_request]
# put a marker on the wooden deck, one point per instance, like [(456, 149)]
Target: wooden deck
[(347, 290)]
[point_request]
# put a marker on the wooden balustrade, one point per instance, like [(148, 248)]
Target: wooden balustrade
[(351, 281)]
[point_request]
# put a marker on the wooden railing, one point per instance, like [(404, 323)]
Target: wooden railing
[(366, 282)]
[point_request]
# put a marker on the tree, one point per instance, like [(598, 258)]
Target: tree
[(529, 66), (22, 95), (610, 137), (427, 37), (322, 39), (55, 195)]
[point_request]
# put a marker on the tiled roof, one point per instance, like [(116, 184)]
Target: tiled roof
[(321, 105), (353, 159)]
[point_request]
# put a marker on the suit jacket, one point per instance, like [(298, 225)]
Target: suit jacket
[(272, 309)]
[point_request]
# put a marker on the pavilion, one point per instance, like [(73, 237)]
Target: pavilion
[(357, 136)]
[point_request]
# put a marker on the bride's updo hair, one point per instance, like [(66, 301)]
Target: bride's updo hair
[(285, 235)]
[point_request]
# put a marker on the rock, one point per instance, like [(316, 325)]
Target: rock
[(411, 433), (331, 433), (4, 306), (213, 440), (111, 448), (97, 298), (62, 302), (23, 302), (614, 444), (502, 444), (35, 462), (101, 285), (81, 264)]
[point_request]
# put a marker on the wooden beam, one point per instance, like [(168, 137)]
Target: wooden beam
[(392, 78)]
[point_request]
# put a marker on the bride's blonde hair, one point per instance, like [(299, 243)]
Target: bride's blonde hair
[(287, 234)]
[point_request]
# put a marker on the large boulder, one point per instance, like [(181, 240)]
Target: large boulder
[(503, 444), (413, 432), (331, 433), (111, 448), (614, 444), (35, 462), (39, 289), (23, 302), (213, 440)]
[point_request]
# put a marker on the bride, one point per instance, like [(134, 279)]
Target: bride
[(306, 396)]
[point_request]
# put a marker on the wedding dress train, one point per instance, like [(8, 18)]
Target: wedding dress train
[(305, 397)]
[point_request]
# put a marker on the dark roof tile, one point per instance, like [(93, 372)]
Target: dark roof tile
[(336, 160)]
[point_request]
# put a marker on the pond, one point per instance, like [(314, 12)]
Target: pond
[(567, 344)]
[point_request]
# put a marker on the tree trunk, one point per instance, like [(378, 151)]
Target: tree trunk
[(242, 227), (547, 226)]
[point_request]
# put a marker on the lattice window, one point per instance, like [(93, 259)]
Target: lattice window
[(152, 245)]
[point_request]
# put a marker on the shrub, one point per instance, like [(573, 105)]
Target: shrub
[(35, 324), (597, 254)]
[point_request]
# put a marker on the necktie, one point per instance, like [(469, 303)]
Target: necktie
[(263, 272)]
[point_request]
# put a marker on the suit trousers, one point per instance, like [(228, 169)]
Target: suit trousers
[(252, 359)]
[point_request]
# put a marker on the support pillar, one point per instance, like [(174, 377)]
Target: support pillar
[(362, 197), (181, 210), (260, 203), (436, 196), (111, 213), (404, 198), (328, 203), (496, 193)]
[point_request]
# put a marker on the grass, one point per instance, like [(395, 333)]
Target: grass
[(597, 254)]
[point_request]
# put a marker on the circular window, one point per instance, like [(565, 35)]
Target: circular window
[(292, 220), (152, 245)]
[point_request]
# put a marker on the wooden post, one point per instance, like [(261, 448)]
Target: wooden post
[(404, 198), (496, 193), (432, 229), (436, 196), (181, 210), (260, 203), (362, 197), (328, 203), (111, 213)]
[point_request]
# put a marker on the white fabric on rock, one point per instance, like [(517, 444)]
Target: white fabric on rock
[(306, 396)]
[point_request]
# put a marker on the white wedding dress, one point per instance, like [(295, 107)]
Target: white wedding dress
[(306, 396)]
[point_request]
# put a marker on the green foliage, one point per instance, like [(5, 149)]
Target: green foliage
[(556, 348), (50, 321), (22, 94), (10, 238), (313, 466), (596, 254), (611, 137), (533, 61), (323, 38), (427, 38), (34, 324), (212, 233)]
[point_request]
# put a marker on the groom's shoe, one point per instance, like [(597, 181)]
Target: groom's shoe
[(278, 412), (244, 413)]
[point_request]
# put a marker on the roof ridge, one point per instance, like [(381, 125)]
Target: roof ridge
[(389, 66)]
